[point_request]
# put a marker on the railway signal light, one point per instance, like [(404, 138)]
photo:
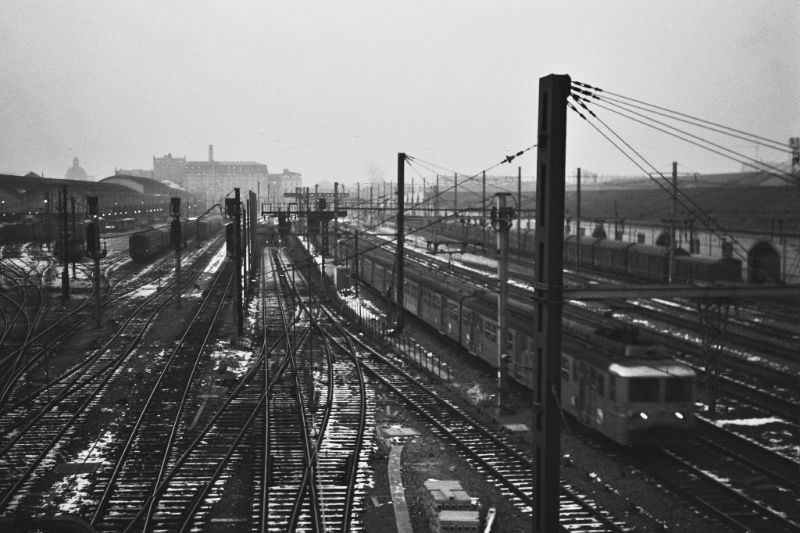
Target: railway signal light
[(176, 234), (92, 239), (230, 207)]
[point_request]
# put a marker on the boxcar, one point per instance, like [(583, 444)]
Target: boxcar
[(707, 269)]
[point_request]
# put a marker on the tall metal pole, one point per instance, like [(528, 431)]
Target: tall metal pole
[(355, 259), (401, 170), (578, 225), (335, 222), (671, 272), (519, 208), (483, 210), (176, 240), (455, 194), (503, 226), (64, 220), (74, 237), (237, 231), (93, 247), (552, 129)]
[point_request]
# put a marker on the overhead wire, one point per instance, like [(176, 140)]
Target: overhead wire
[(680, 197), (581, 85), (756, 164), (410, 160)]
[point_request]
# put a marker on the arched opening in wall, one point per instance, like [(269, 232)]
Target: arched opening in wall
[(599, 232), (763, 264), (663, 239)]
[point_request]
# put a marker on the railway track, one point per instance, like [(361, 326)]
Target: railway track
[(318, 416), (32, 356), (141, 463), (731, 507), (508, 467)]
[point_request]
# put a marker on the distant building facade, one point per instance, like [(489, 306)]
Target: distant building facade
[(138, 172), (278, 184), (171, 169), (75, 172), (215, 179)]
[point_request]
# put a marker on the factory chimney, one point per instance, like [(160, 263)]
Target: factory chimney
[(210, 153)]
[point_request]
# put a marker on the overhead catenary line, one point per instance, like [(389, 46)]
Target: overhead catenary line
[(409, 159), (756, 164), (749, 135), (681, 198)]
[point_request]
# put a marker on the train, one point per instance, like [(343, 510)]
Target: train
[(638, 261), (649, 263), (144, 245), (629, 391)]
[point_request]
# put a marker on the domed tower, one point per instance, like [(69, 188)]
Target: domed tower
[(75, 172)]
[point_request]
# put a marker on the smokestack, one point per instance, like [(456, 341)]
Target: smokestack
[(210, 153)]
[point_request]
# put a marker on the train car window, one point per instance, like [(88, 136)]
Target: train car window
[(643, 389), (452, 311), (564, 369), (678, 389), (490, 331), (612, 387)]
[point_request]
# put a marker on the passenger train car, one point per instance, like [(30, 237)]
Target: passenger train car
[(143, 246), (625, 390)]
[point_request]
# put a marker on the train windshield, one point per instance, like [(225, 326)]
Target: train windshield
[(643, 390), (678, 389)]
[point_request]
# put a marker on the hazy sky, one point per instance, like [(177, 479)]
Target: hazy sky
[(335, 89)]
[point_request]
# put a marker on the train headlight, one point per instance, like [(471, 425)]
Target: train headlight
[(643, 415), (679, 415)]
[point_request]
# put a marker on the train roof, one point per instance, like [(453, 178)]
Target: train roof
[(606, 243), (660, 251), (709, 260), (644, 368)]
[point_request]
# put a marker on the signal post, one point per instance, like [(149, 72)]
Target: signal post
[(93, 250), (176, 241)]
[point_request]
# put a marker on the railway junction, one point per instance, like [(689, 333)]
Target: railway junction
[(340, 365)]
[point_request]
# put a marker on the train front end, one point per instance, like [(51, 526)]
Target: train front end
[(656, 399)]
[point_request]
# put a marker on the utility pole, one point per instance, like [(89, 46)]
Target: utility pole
[(671, 272), (74, 238), (335, 223), (176, 240), (253, 209), (355, 260), (578, 225), (237, 239), (552, 129), (519, 208), (483, 210), (502, 215), (65, 270), (401, 171), (93, 248), (455, 195), (436, 198)]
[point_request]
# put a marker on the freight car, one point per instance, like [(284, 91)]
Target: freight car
[(627, 391), (145, 245), (648, 263), (639, 261)]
